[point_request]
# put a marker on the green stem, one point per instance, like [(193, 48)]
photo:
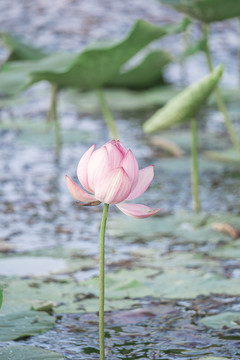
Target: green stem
[(101, 281), (52, 117), (218, 94), (194, 167), (239, 51), (186, 38), (109, 119)]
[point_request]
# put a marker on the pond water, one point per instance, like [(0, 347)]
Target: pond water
[(47, 239)]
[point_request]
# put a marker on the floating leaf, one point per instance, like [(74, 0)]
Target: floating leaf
[(17, 76), (229, 319), (24, 323), (38, 134), (92, 68), (231, 156), (7, 102), (174, 260), (190, 284), (147, 74), (23, 352), (1, 296), (185, 105), (229, 251), (206, 10), (130, 100), (20, 50), (213, 358), (120, 99), (31, 265), (65, 296), (183, 227)]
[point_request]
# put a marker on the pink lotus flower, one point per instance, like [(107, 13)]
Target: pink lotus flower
[(111, 175)]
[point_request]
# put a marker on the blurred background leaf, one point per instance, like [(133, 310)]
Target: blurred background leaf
[(206, 10), (19, 50), (92, 68), (185, 105)]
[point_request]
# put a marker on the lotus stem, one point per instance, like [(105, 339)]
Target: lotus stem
[(218, 94), (52, 117), (186, 39), (194, 167), (101, 281), (239, 51), (109, 119)]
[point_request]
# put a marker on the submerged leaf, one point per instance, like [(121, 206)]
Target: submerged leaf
[(206, 10), (185, 105)]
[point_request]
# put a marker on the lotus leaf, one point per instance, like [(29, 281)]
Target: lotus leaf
[(1, 296), (231, 156), (185, 105), (147, 74), (206, 10), (24, 324), (20, 50), (228, 318), (95, 67), (24, 352)]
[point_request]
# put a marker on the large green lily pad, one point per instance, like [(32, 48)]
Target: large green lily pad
[(19, 50), (147, 74), (182, 227), (93, 68), (228, 318), (153, 270), (18, 325), (206, 10), (174, 260), (228, 251), (173, 284), (23, 352), (68, 297)]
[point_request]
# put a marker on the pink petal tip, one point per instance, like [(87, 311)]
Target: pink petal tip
[(77, 192), (137, 211)]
